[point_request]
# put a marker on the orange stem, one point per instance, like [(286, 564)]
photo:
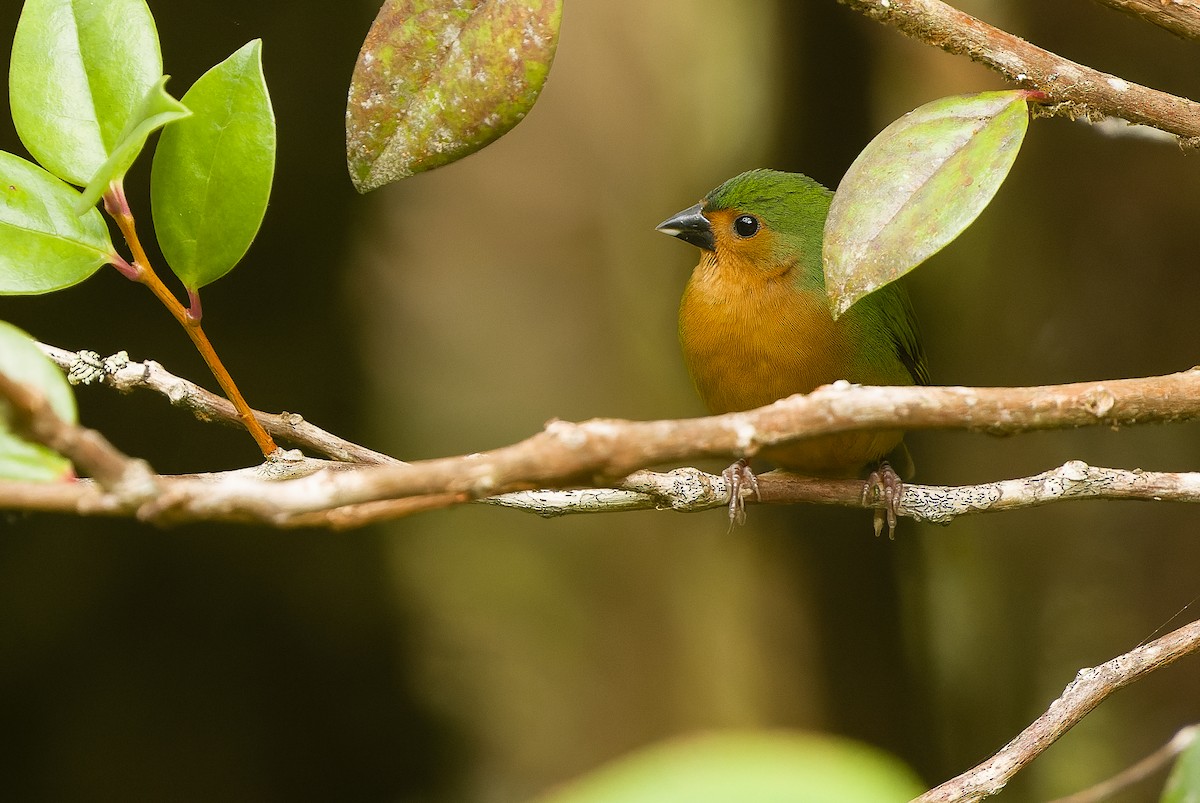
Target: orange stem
[(117, 207)]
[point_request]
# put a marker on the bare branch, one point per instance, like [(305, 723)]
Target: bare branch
[(85, 497), (1089, 688), (1081, 91), (1180, 17), (208, 406), (81, 498), (31, 418), (351, 517)]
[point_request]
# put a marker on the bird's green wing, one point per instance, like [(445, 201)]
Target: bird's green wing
[(906, 338)]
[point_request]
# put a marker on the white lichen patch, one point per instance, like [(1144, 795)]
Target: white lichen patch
[(744, 434), (1075, 470), (570, 434), (1100, 401)]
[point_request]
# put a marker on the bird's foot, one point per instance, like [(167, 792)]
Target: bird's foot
[(884, 485), (738, 478)]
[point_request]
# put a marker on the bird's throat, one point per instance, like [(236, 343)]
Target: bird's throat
[(750, 338)]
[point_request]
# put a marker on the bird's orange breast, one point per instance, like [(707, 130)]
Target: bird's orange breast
[(750, 337)]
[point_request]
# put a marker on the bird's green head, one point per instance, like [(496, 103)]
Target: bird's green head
[(764, 220)]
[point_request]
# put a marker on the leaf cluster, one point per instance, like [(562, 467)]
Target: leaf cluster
[(87, 90)]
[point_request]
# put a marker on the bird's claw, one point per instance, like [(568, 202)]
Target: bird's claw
[(884, 485), (739, 477)]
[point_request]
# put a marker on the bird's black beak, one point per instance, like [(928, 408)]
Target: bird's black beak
[(691, 226)]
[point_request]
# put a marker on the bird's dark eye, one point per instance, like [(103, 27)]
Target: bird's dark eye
[(746, 225)]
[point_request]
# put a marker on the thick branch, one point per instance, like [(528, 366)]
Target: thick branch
[(1089, 688), (1085, 91), (1180, 17)]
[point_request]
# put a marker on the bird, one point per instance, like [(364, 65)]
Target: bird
[(755, 326)]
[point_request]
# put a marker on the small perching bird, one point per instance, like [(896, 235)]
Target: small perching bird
[(755, 326)]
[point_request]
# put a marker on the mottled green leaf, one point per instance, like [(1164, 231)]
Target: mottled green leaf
[(777, 766), (212, 172), (1183, 784), (23, 361), (916, 187), (80, 70), (157, 109), (439, 79), (44, 244)]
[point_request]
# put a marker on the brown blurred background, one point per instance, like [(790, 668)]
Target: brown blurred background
[(483, 655)]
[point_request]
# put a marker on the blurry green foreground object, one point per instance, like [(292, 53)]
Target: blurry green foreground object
[(748, 767)]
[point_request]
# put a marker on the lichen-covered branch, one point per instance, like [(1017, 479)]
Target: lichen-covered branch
[(1089, 688), (683, 490), (1180, 17), (690, 490), (1078, 90)]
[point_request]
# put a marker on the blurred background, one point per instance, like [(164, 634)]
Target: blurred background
[(485, 655)]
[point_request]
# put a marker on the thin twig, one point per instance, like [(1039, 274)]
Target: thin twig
[(207, 406), (116, 205), (1180, 17), (1080, 91), (1089, 688), (1156, 761)]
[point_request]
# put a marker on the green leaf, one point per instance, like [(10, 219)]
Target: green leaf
[(23, 361), (157, 109), (916, 187), (763, 766), (212, 172), (1183, 784), (80, 70), (44, 244), (439, 79)]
